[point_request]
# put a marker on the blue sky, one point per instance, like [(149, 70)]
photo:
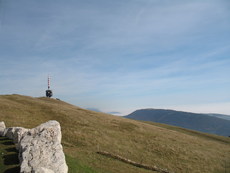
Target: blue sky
[(119, 55)]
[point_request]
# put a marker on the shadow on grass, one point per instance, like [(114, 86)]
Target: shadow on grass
[(13, 149), (10, 157), (4, 139), (8, 143), (13, 170)]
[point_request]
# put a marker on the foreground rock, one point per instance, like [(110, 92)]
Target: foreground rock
[(10, 132), (18, 134), (15, 133), (40, 150), (2, 128)]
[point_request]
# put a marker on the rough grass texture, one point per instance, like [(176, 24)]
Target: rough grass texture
[(140, 165), (86, 132)]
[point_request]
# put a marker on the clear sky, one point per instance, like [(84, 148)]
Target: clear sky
[(119, 55)]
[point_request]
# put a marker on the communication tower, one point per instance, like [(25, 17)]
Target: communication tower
[(49, 92)]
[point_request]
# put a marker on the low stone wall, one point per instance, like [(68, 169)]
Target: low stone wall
[(40, 149)]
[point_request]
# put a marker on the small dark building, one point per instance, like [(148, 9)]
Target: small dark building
[(49, 93)]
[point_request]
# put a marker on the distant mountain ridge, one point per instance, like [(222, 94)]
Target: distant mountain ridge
[(226, 117), (207, 123)]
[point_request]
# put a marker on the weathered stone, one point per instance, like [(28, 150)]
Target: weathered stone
[(2, 128), (18, 134), (40, 150), (9, 132), (43, 170), (14, 133)]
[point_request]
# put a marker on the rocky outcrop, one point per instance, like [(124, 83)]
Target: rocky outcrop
[(15, 133), (40, 149), (18, 134), (2, 128), (9, 132), (43, 143), (44, 170)]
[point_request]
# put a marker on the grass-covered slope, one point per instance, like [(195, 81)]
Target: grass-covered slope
[(86, 132)]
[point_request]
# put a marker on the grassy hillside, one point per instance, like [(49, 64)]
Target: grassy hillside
[(86, 132)]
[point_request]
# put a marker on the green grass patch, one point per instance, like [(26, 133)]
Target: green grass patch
[(76, 167)]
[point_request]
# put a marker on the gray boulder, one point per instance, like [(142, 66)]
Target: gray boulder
[(15, 133), (18, 134), (9, 132), (44, 170), (40, 150), (2, 128)]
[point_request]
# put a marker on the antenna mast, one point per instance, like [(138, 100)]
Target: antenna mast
[(49, 92), (48, 82)]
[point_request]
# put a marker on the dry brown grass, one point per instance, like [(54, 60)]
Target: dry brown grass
[(86, 132)]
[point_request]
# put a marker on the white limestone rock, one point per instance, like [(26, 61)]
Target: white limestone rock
[(43, 170), (9, 132), (40, 148), (2, 128), (15, 133), (18, 134)]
